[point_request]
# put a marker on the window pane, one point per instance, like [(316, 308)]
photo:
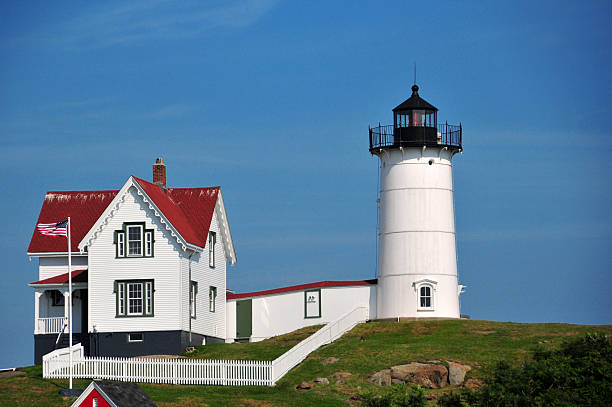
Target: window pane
[(134, 240), (135, 298)]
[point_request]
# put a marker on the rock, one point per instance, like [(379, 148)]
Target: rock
[(304, 386), (341, 375), (339, 382), (396, 381), (382, 378), (321, 380), (431, 397), (356, 397), (456, 373), (473, 383), (329, 361), (425, 375)]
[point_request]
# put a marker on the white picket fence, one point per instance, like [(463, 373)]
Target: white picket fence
[(197, 371)]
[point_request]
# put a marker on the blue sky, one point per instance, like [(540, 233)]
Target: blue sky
[(272, 101)]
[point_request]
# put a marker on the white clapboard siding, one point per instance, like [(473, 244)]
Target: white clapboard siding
[(105, 269), (54, 266), (281, 313), (198, 371), (206, 322)]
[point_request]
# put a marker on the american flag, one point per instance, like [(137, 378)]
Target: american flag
[(54, 229)]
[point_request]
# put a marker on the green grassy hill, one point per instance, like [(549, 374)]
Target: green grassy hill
[(366, 349)]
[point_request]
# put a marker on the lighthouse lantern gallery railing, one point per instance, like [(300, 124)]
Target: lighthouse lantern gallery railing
[(445, 135), (198, 371)]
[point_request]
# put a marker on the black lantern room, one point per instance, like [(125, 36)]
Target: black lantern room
[(415, 124), (415, 120)]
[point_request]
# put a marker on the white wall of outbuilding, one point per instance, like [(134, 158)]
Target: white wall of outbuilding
[(280, 313)]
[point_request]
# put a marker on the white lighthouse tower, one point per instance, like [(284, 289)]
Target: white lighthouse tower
[(417, 263)]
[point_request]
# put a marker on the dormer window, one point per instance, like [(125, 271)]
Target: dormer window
[(133, 240)]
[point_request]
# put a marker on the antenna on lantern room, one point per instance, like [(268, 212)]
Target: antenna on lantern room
[(414, 73)]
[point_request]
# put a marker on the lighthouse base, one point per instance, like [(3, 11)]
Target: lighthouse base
[(418, 296)]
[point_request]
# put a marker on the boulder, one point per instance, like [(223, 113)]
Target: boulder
[(304, 386), (456, 373), (321, 380), (329, 361), (382, 378), (341, 375), (430, 376)]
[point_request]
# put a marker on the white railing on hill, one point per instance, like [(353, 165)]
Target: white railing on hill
[(198, 371), (323, 336)]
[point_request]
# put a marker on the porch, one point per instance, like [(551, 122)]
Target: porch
[(51, 304)]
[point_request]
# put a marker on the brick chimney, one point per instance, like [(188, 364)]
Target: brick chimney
[(159, 173)]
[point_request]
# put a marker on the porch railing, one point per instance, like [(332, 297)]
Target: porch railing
[(49, 325)]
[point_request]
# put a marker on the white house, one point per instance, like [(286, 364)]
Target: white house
[(150, 265), (149, 270)]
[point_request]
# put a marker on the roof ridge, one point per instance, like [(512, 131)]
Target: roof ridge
[(174, 202)]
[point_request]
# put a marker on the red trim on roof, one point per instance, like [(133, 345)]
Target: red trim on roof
[(301, 287), (84, 209), (189, 210), (78, 276)]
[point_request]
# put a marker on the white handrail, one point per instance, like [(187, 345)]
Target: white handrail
[(323, 336)]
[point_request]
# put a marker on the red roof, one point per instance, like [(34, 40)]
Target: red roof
[(84, 209), (301, 287), (78, 276), (189, 210)]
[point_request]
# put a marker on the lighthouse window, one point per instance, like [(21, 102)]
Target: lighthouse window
[(425, 297)]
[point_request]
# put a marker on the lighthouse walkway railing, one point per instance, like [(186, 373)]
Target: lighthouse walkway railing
[(197, 371)]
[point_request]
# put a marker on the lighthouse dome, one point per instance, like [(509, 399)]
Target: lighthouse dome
[(415, 102)]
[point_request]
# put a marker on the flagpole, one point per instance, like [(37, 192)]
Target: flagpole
[(70, 302)]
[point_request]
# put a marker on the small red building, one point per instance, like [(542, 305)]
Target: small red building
[(113, 394)]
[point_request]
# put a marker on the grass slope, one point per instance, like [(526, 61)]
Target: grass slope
[(363, 351)]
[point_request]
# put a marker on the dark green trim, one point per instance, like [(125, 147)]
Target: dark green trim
[(244, 318), (306, 303), (212, 289), (194, 284), (212, 235), (125, 298), (125, 241)]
